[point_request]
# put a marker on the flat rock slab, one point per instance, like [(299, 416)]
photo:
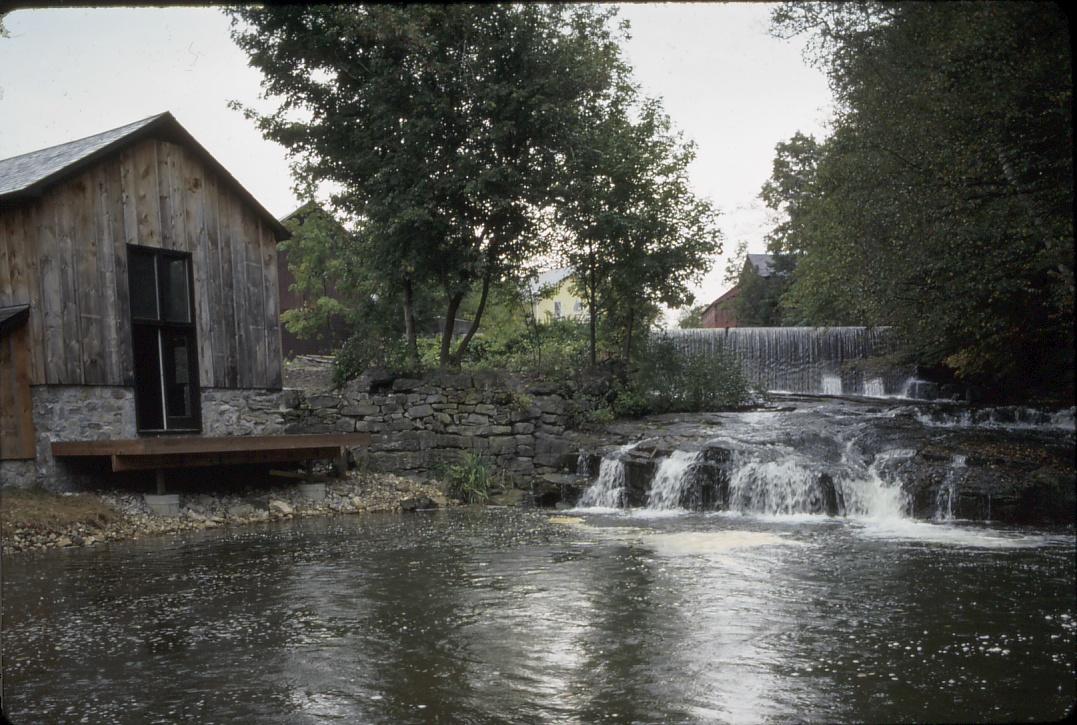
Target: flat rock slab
[(313, 491), (163, 504)]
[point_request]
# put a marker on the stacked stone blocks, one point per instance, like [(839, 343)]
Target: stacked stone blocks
[(420, 425)]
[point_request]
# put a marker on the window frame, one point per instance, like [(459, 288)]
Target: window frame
[(162, 329)]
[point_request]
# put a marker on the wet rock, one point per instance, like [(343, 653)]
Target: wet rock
[(511, 497), (418, 503), (240, 510), (830, 496), (281, 508)]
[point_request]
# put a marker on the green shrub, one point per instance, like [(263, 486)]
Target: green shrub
[(469, 480), (667, 380), (631, 402), (597, 418)]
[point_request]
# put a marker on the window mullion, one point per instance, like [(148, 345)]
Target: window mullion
[(161, 377)]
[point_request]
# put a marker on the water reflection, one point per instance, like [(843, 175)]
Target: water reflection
[(493, 616)]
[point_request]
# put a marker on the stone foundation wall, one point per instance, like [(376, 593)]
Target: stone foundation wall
[(87, 412), (418, 425), (247, 412)]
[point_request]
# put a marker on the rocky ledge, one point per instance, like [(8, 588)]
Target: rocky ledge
[(36, 520)]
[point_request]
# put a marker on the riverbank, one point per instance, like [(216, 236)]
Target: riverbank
[(36, 520)]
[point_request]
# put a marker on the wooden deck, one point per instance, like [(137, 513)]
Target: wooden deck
[(145, 454)]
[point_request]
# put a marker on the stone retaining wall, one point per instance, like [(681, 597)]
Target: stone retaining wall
[(418, 425)]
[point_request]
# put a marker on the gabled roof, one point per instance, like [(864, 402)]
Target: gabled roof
[(763, 263), (303, 210), (728, 295), (550, 278), (28, 175)]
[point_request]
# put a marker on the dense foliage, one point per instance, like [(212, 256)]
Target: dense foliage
[(942, 202), (666, 379), (440, 127), (757, 304), (637, 235), (462, 144)]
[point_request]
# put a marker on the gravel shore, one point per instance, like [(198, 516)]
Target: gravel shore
[(37, 520)]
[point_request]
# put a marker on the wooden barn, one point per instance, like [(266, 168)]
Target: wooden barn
[(138, 297)]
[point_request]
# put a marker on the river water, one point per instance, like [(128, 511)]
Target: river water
[(508, 615)]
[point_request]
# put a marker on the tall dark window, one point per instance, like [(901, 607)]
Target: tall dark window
[(163, 337)]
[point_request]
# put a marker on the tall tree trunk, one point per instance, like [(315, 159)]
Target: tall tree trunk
[(628, 335), (409, 322), (450, 324), (462, 348), (591, 308)]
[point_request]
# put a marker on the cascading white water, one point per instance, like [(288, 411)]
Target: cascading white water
[(944, 498), (875, 492), (1002, 418), (608, 490), (831, 385), (785, 482), (670, 480), (816, 360), (874, 388), (783, 486)]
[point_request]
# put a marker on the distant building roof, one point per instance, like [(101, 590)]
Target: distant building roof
[(28, 175), (550, 278), (763, 263), (728, 295)]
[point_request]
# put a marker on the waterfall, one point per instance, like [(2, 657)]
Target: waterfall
[(875, 388), (671, 481), (944, 498), (608, 490), (789, 483), (763, 480), (783, 486), (1002, 417), (817, 360), (831, 385)]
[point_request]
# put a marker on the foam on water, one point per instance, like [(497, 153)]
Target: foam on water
[(963, 536), (695, 543)]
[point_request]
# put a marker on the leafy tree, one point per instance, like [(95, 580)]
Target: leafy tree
[(691, 317), (637, 235), (942, 201), (438, 126), (317, 255), (757, 302)]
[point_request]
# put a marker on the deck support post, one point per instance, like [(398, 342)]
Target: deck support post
[(342, 463), (160, 475)]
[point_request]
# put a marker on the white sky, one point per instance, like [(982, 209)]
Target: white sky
[(728, 85)]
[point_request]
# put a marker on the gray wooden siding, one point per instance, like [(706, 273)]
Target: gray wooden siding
[(66, 255)]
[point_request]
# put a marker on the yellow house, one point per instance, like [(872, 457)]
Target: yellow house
[(552, 297)]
